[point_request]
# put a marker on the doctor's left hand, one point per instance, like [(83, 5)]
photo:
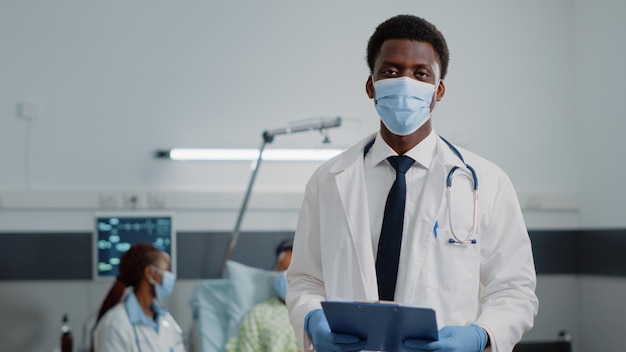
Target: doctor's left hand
[(471, 338), (325, 340)]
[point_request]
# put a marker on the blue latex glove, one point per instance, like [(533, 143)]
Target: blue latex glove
[(471, 338), (325, 340)]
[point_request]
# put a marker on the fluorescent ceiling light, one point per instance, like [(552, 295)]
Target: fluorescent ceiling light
[(186, 154)]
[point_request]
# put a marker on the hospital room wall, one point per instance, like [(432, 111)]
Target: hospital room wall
[(599, 57), (559, 84)]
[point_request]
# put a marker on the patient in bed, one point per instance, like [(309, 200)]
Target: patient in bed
[(266, 327)]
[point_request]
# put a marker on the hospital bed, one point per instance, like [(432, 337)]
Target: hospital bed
[(219, 305)]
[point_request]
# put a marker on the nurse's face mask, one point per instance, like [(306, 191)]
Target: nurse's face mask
[(166, 287)]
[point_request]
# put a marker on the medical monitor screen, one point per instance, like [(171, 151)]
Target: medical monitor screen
[(115, 233)]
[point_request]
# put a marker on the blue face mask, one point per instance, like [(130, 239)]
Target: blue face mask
[(403, 103), (280, 284), (165, 289)]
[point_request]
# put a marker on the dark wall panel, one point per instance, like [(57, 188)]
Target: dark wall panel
[(67, 256), (201, 254), (555, 252), (603, 252), (45, 256)]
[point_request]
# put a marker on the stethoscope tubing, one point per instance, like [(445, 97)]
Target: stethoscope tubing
[(470, 237)]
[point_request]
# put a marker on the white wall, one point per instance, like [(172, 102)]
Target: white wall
[(600, 111), (599, 56), (559, 310), (115, 81), (602, 315), (534, 86)]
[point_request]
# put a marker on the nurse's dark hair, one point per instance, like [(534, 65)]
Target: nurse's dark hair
[(412, 28), (131, 270)]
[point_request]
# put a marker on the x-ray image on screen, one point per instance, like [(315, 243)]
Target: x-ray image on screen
[(115, 233)]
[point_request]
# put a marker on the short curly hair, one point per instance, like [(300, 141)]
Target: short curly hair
[(408, 27)]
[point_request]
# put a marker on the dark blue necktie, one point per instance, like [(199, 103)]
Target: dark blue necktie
[(390, 240)]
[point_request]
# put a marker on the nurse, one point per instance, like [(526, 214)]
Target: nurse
[(396, 217), (136, 322)]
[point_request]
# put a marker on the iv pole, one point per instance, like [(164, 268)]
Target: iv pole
[(320, 124)]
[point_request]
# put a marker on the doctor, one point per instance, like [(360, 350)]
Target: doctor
[(137, 323), (418, 235)]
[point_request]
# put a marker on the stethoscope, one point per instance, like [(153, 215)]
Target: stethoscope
[(470, 238)]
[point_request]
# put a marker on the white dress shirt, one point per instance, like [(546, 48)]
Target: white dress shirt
[(380, 175)]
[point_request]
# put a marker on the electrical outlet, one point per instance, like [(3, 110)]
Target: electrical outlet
[(27, 111), (131, 200), (156, 200), (108, 200), (533, 202)]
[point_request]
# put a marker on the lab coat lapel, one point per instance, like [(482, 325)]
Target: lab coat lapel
[(350, 181), (415, 247)]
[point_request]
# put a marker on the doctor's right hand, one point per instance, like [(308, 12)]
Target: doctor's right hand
[(325, 340)]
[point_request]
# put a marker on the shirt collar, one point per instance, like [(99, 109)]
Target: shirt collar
[(137, 316), (423, 153)]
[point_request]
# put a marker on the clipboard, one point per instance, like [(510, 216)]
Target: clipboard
[(384, 325)]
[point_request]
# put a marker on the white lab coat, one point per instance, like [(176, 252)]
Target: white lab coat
[(115, 332), (490, 283)]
